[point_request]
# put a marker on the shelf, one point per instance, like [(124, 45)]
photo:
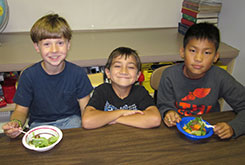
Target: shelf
[(92, 48), (9, 107)]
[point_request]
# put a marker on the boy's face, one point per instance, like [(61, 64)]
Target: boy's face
[(123, 72), (53, 51), (199, 56)]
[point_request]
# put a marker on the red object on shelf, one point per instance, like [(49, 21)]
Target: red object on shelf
[(9, 92), (2, 102), (9, 88), (141, 78)]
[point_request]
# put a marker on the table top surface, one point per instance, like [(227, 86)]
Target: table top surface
[(119, 144), (92, 48)]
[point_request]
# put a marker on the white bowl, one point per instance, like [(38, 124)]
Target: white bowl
[(43, 131)]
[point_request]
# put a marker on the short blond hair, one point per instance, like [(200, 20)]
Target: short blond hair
[(50, 26)]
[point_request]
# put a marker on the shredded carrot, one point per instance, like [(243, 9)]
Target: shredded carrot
[(197, 126)]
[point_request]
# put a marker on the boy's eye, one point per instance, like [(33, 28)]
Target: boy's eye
[(192, 50), (61, 42), (131, 67), (117, 66), (207, 53), (46, 44)]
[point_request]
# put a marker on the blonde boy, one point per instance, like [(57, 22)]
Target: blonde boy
[(52, 91)]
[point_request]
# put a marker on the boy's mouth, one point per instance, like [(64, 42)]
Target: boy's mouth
[(197, 66), (123, 77), (53, 57)]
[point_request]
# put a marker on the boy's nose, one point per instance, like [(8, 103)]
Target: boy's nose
[(54, 48), (199, 57), (124, 70)]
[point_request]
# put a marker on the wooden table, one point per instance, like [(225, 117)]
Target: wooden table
[(119, 144)]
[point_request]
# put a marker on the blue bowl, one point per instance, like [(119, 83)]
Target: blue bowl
[(184, 121)]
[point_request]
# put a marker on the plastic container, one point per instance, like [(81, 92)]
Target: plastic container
[(9, 92), (184, 121), (146, 82)]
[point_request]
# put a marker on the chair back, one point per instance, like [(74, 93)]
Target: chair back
[(156, 76), (155, 80)]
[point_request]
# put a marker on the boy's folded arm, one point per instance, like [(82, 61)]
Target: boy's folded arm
[(151, 118), (83, 102), (93, 118)]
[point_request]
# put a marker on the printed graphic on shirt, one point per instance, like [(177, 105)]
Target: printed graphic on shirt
[(110, 107), (185, 108), (197, 93)]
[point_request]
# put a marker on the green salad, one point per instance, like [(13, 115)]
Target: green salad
[(40, 142), (195, 127)]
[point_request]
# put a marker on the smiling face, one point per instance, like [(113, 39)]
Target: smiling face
[(123, 71), (199, 55), (53, 51)]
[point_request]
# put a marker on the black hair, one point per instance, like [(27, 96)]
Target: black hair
[(203, 31)]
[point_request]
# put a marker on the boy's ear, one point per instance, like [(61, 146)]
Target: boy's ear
[(107, 72), (36, 47), (182, 52), (138, 75), (69, 45), (216, 57)]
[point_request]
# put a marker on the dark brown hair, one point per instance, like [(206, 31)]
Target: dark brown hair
[(123, 51)]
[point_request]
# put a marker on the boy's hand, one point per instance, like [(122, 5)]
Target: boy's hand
[(171, 118), (11, 129), (223, 130)]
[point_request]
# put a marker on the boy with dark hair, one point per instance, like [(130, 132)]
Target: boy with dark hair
[(195, 86), (52, 91), (121, 101)]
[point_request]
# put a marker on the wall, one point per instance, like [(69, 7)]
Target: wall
[(232, 26), (96, 14)]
